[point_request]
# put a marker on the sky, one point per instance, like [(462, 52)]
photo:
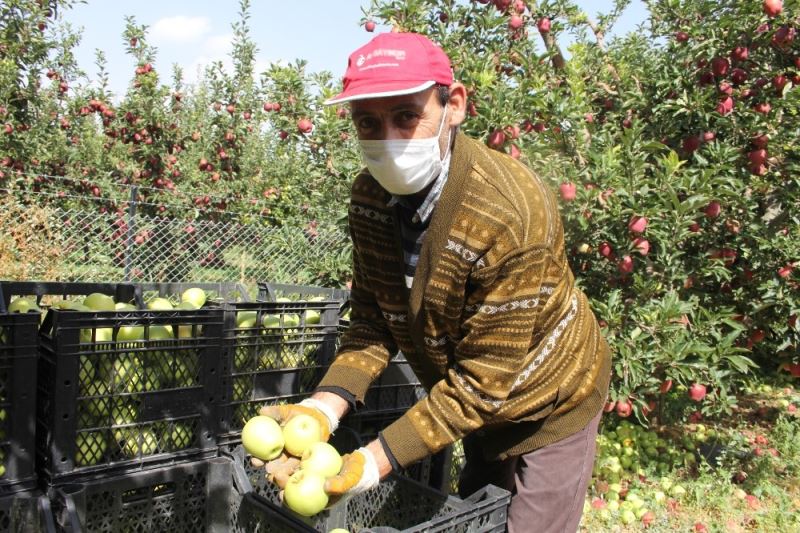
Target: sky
[(192, 33)]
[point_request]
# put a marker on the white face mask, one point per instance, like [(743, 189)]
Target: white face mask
[(405, 166)]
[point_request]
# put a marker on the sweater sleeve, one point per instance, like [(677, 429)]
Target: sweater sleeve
[(366, 346), (499, 326)]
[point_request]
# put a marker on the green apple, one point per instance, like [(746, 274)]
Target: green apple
[(300, 432), (312, 316), (129, 375), (613, 505), (291, 320), (677, 491), (338, 530), (322, 458), (130, 333), (160, 333), (195, 296), (99, 302), (90, 448), (140, 442), (124, 306), (160, 304), (181, 437), (23, 305), (305, 493), (659, 496), (101, 335), (271, 321), (627, 517), (246, 319), (182, 373), (263, 438), (98, 407)]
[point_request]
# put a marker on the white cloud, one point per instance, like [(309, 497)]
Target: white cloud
[(180, 29)]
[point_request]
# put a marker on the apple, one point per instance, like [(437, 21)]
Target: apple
[(23, 305), (160, 304), (567, 191), (128, 375), (130, 333), (181, 436), (322, 458), (605, 249), (713, 209), (304, 125), (99, 302), (305, 493), (720, 66), (681, 36), (263, 438), (246, 319), (697, 392), (369, 26), (124, 306), (194, 295), (624, 408), (637, 224), (740, 53), (641, 245), (140, 442), (496, 139), (90, 448), (665, 386), (515, 22), (271, 321), (625, 265), (691, 144), (544, 25), (299, 433), (773, 8)]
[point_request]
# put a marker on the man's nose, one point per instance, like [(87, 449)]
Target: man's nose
[(391, 133)]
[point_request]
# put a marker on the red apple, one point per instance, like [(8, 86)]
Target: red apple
[(514, 151), (690, 144), (626, 264), (779, 82), (786, 270), (762, 107), (681, 36), (496, 139), (760, 141), (713, 209), (543, 25), (369, 26), (720, 66), (773, 8), (709, 136), (567, 191), (637, 224), (697, 392), (641, 245), (725, 105), (740, 53), (609, 406), (624, 408), (605, 249), (304, 125), (757, 157), (515, 22), (738, 76), (665, 387)]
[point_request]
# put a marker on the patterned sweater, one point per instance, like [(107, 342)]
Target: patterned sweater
[(493, 325)]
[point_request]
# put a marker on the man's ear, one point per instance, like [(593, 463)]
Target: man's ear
[(457, 103)]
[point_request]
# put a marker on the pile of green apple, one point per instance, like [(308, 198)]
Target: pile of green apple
[(628, 457), (301, 437)]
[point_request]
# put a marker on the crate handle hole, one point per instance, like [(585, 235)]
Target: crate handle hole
[(63, 459), (67, 383), (65, 416)]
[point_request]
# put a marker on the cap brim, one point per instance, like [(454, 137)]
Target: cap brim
[(371, 91)]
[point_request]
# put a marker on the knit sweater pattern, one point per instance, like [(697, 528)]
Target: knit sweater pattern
[(493, 324)]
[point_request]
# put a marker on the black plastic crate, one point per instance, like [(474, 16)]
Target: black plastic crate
[(433, 470), (18, 354), (217, 293), (275, 352), (397, 504), (395, 390), (271, 292), (201, 496), (27, 512), (109, 404), (121, 292)]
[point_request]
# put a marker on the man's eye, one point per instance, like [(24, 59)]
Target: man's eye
[(366, 124), (407, 117)]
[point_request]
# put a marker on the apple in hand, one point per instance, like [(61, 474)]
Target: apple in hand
[(300, 432), (321, 458), (305, 493), (262, 438)]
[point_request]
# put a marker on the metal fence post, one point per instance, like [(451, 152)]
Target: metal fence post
[(131, 230)]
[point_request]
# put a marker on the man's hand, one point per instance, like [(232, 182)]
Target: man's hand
[(359, 473), (278, 470), (285, 412)]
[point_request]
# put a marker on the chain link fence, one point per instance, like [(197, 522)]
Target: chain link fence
[(85, 245)]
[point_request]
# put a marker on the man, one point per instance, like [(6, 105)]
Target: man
[(459, 262)]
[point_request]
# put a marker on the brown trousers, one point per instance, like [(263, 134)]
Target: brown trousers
[(548, 486)]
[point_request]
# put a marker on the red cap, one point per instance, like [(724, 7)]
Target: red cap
[(392, 64)]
